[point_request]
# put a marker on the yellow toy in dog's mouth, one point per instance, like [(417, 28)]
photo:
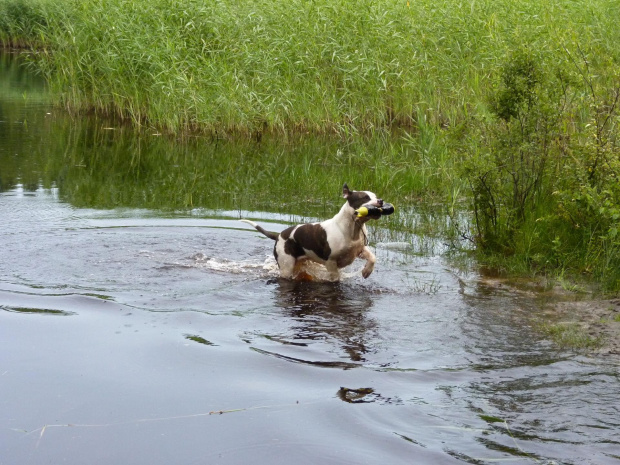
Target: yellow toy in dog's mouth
[(386, 209)]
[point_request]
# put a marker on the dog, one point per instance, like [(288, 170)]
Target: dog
[(334, 243)]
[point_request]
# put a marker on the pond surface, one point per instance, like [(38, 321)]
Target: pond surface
[(136, 330)]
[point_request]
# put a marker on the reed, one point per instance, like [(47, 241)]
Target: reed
[(321, 66)]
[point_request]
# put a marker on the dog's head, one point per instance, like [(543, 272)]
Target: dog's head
[(359, 199)]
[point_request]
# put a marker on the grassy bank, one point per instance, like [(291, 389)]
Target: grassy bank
[(510, 105)]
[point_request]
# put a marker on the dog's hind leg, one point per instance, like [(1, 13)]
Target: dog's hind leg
[(286, 263)]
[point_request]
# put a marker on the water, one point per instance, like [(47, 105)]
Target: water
[(141, 326)]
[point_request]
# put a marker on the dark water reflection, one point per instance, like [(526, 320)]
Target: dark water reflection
[(332, 312), (136, 331), (98, 163)]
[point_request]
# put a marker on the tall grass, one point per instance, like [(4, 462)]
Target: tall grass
[(295, 65), (22, 23)]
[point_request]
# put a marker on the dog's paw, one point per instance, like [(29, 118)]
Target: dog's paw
[(367, 271)]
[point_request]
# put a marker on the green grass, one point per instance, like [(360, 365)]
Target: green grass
[(295, 65), (571, 336)]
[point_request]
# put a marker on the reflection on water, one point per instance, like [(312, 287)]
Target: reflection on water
[(176, 315), (98, 163), (328, 311)]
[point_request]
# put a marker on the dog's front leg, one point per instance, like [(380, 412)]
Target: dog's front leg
[(334, 271), (370, 261)]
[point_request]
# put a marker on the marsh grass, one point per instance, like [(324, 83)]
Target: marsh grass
[(95, 164), (282, 66)]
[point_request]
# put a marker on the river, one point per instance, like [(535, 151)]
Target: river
[(136, 331)]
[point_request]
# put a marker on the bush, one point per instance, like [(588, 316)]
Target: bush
[(545, 181), (513, 175)]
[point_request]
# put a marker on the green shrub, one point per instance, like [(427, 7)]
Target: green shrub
[(513, 174), (544, 179)]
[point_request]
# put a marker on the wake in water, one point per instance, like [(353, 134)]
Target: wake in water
[(268, 268)]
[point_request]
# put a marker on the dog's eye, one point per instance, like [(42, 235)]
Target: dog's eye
[(358, 199)]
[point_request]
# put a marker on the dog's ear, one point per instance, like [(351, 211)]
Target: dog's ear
[(345, 191)]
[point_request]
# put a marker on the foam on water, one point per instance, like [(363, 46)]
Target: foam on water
[(269, 268)]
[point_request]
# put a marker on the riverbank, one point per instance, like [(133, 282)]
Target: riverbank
[(589, 325), (573, 317)]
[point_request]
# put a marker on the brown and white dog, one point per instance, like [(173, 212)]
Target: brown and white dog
[(334, 243)]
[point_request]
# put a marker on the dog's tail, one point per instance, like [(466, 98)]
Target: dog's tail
[(269, 234)]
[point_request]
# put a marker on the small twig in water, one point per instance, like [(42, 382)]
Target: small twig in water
[(43, 429), (517, 445)]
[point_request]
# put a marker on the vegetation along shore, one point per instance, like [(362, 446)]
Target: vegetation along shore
[(511, 107)]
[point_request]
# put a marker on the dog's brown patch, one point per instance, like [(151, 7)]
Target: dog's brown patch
[(293, 249), (314, 238), (358, 198), (287, 232)]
